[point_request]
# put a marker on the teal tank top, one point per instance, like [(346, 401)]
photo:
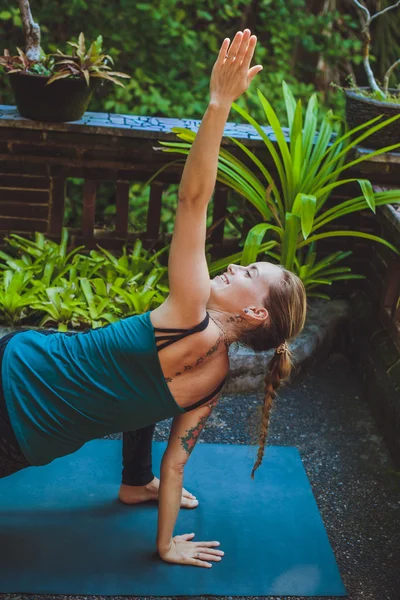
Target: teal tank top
[(63, 390)]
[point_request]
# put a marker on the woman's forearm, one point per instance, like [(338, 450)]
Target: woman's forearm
[(200, 172), (169, 501)]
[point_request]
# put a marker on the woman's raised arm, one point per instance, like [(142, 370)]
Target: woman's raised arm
[(230, 77), (187, 268)]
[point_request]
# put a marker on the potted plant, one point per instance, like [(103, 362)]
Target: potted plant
[(365, 103), (55, 87)]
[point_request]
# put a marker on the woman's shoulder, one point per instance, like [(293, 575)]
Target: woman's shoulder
[(171, 316)]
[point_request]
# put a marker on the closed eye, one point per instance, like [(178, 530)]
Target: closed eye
[(248, 273)]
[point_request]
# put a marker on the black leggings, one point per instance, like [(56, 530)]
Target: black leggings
[(136, 446)]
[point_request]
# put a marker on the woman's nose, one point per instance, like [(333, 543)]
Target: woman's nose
[(231, 268)]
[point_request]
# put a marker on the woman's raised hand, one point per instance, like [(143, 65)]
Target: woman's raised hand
[(231, 74)]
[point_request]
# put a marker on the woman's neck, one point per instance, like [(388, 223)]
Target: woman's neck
[(228, 323)]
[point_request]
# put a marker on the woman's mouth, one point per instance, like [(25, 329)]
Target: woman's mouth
[(224, 278)]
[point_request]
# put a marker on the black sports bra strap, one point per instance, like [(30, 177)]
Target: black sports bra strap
[(173, 335), (168, 342), (207, 398), (169, 330)]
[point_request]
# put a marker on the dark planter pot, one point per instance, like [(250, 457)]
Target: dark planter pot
[(62, 100), (360, 109)]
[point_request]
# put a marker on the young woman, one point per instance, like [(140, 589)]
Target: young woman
[(61, 390)]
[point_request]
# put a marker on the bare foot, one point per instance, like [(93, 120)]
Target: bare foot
[(135, 494)]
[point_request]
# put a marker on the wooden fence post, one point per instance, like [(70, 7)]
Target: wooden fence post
[(154, 210), (56, 205), (89, 210), (122, 208)]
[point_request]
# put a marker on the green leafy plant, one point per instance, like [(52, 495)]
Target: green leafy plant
[(47, 260), (61, 307), (86, 63), (138, 299), (98, 304), (16, 297), (21, 63), (83, 63), (139, 261), (292, 37), (292, 205), (41, 283)]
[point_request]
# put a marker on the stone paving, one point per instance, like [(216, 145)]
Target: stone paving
[(354, 482)]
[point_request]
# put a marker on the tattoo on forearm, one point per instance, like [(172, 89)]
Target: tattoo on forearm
[(189, 440), (186, 368)]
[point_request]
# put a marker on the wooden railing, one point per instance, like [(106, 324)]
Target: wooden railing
[(37, 158)]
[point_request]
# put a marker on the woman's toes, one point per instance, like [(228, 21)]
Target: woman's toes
[(189, 502), (187, 494)]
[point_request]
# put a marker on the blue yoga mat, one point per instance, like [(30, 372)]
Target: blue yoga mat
[(62, 530)]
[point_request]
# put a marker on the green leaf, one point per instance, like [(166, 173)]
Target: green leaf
[(310, 128), (220, 264), (292, 227), (270, 146), (286, 158), (253, 242), (290, 103), (366, 236), (305, 206), (367, 190), (354, 205)]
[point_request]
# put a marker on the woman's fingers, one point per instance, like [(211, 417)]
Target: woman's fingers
[(206, 544), (223, 50), (200, 563), (253, 72), (249, 52), (210, 551), (202, 554), (232, 51), (207, 556), (243, 46), (185, 537)]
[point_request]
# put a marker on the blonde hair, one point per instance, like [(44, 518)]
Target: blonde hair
[(286, 303)]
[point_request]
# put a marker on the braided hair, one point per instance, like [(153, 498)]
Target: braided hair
[(286, 304)]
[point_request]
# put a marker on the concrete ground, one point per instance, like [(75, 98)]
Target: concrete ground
[(324, 414)]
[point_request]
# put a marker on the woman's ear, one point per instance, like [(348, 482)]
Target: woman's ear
[(258, 313)]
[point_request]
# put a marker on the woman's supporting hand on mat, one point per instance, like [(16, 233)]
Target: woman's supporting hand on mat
[(231, 74), (185, 552)]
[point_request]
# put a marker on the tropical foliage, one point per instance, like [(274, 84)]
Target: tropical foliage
[(41, 283), (292, 36), (293, 204)]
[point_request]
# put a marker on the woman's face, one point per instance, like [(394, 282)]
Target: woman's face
[(243, 287)]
